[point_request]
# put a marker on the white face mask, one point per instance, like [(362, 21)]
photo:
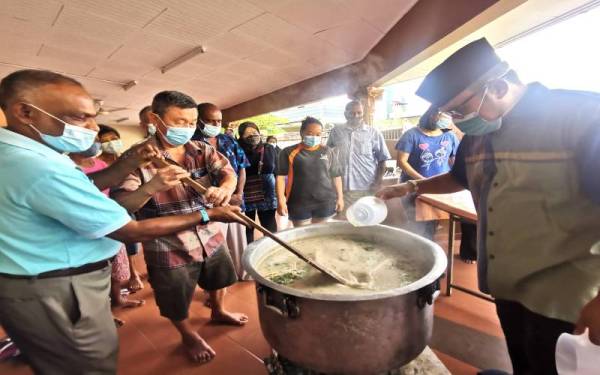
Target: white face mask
[(113, 147), (151, 129), (210, 130)]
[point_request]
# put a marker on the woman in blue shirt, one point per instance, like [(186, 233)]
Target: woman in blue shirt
[(425, 151)]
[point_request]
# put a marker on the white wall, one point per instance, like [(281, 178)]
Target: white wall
[(129, 134)]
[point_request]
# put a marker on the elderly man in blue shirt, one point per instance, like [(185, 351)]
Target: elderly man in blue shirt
[(362, 154), (58, 231)]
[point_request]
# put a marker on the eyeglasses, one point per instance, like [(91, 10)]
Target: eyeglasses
[(459, 112)]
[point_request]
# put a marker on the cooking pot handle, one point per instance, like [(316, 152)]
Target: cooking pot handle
[(428, 294), (279, 303)]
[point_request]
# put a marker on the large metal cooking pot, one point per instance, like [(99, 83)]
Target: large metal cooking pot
[(349, 334)]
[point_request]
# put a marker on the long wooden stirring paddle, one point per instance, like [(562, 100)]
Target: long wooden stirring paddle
[(333, 274)]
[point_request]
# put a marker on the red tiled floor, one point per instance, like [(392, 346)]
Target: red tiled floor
[(163, 352), (465, 309), (243, 298), (455, 366), (150, 345)]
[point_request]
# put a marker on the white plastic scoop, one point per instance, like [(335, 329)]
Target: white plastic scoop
[(367, 211)]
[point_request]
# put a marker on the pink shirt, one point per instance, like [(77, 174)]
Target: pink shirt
[(98, 166)]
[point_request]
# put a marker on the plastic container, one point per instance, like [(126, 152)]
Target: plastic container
[(577, 355), (367, 211)]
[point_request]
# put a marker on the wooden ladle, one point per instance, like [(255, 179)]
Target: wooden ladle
[(329, 272)]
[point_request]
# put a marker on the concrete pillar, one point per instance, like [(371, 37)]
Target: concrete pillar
[(368, 96)]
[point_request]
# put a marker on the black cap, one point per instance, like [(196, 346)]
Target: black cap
[(463, 68)]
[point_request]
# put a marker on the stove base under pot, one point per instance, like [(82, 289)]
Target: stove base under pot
[(427, 363)]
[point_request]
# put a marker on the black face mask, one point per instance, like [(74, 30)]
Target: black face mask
[(253, 140)]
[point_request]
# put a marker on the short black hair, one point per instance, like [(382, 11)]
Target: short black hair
[(105, 129), (307, 121), (245, 125), (17, 82), (205, 107), (144, 110), (165, 99), (271, 137)]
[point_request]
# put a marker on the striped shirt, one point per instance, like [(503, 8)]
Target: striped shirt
[(206, 166)]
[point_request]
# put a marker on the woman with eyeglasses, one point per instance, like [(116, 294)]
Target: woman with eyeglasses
[(259, 191)]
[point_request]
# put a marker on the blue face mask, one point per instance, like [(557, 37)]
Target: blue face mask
[(177, 136), (479, 126), (210, 130), (311, 140), (473, 124), (443, 123), (73, 139), (92, 151)]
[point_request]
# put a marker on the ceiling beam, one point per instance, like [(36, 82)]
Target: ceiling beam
[(427, 22)]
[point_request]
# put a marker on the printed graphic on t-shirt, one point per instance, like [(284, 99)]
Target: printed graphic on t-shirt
[(440, 156)]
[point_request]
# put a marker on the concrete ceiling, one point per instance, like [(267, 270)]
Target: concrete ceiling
[(253, 47)]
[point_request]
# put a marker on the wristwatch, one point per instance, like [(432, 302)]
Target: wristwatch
[(414, 185), (205, 218)]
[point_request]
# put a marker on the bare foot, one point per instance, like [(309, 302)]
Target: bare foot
[(198, 350), (126, 303), (226, 317), (135, 284), (208, 302)]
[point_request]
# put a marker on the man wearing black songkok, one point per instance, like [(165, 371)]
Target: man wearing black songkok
[(530, 160)]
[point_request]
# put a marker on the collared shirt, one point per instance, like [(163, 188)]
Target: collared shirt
[(230, 148), (51, 215), (360, 151), (206, 166), (534, 183)]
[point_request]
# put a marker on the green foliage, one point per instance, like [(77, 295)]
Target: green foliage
[(396, 123), (267, 123)]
